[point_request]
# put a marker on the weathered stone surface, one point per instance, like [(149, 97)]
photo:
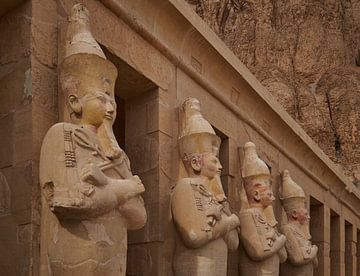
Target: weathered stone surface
[(305, 53), (90, 196), (302, 254), (262, 246), (5, 196), (205, 226)]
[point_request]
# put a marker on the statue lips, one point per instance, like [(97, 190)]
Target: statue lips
[(109, 117)]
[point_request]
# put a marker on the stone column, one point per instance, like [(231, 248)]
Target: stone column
[(350, 249), (320, 232), (358, 252), (337, 245)]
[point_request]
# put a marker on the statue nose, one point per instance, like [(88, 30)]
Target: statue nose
[(109, 108)]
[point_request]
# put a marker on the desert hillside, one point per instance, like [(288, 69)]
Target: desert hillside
[(307, 53)]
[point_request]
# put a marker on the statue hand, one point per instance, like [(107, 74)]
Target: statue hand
[(138, 186), (214, 212), (233, 221), (95, 176), (126, 189)]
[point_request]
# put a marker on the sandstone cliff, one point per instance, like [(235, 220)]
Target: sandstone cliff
[(306, 52)]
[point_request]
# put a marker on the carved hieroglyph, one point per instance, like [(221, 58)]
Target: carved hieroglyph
[(89, 195), (206, 228), (302, 255), (262, 247)]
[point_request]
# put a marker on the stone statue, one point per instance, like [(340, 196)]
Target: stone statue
[(90, 198), (206, 228), (263, 247), (302, 255)]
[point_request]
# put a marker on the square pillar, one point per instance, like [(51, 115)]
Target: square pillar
[(320, 232), (350, 249), (358, 252), (337, 245)]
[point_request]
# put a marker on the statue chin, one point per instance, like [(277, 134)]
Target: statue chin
[(108, 141)]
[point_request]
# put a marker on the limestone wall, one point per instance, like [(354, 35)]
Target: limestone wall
[(28, 106), (16, 141), (164, 53)]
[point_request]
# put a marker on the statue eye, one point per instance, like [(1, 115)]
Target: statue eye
[(102, 99)]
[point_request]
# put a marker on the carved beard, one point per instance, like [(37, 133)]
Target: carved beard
[(305, 229), (108, 141)]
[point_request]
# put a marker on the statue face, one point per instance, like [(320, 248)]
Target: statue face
[(210, 165), (96, 108), (263, 193), (267, 196), (302, 216)]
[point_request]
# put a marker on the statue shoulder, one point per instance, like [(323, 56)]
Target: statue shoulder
[(183, 184), (249, 213), (52, 148), (285, 228), (56, 131)]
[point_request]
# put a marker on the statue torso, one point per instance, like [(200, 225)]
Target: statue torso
[(95, 245), (265, 234), (210, 259), (304, 244)]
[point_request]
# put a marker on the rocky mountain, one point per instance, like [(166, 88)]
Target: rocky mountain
[(307, 53)]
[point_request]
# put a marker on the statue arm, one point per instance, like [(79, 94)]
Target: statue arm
[(252, 242), (134, 212), (188, 223), (232, 240), (69, 196), (295, 252)]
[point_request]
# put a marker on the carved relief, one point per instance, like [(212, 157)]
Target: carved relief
[(206, 228), (5, 196), (262, 246), (302, 255), (90, 197)]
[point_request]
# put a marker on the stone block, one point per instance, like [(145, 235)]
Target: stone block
[(5, 194), (43, 39), (22, 135), (44, 32), (44, 86), (136, 120), (24, 233), (152, 116), (152, 231), (6, 140), (143, 152), (12, 82), (14, 255), (15, 27), (166, 148), (20, 184), (144, 260), (166, 119), (45, 12)]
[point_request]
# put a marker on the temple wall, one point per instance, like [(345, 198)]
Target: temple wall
[(165, 43), (16, 141)]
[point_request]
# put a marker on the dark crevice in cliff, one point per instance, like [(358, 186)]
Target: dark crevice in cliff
[(337, 142)]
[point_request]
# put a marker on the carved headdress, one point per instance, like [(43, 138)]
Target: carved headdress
[(291, 194), (85, 69), (197, 135), (253, 165), (85, 65)]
